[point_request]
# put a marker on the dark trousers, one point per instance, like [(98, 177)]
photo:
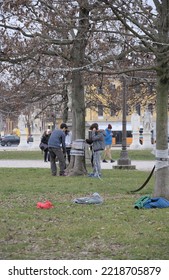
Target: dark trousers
[(56, 153), (68, 153), (46, 155)]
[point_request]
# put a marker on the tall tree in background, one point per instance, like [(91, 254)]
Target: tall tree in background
[(151, 28), (54, 39)]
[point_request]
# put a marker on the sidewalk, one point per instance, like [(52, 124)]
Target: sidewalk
[(140, 165)]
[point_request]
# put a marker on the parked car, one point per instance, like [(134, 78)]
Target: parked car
[(10, 140)]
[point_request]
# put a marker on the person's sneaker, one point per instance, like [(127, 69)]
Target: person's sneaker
[(90, 175), (112, 160), (53, 174), (95, 175), (105, 160), (63, 174)]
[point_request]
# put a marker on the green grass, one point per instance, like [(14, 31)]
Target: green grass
[(135, 154), (30, 155), (113, 230), (27, 155)]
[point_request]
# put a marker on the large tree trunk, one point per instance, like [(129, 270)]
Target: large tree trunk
[(77, 165), (162, 163)]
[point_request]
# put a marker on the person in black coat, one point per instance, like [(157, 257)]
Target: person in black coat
[(44, 140)]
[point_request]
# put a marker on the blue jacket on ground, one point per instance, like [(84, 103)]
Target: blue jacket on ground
[(108, 137), (57, 139), (156, 202)]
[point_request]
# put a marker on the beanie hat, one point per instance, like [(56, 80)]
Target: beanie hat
[(109, 126), (94, 125)]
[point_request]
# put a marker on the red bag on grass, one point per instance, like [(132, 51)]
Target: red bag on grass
[(46, 205)]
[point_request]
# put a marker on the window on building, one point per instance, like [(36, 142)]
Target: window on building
[(138, 109), (100, 90), (112, 110), (150, 108), (100, 110), (112, 87)]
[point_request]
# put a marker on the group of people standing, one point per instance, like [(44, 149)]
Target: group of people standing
[(58, 144)]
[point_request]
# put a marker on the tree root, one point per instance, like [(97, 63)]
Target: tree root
[(73, 172)]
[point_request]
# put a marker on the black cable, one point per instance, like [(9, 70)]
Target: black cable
[(145, 183)]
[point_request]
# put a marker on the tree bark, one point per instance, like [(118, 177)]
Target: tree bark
[(162, 164), (77, 165), (162, 160)]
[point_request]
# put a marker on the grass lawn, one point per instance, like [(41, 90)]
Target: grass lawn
[(30, 155), (27, 155), (113, 230)]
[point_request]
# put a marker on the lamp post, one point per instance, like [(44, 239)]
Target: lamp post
[(124, 162)]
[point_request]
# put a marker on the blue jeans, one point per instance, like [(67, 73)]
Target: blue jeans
[(56, 153), (96, 163)]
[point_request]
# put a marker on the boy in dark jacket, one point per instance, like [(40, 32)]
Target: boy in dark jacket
[(97, 137)]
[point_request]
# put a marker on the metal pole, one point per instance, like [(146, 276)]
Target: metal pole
[(124, 159), (124, 142)]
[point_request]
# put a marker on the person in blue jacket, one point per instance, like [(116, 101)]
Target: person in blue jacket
[(108, 144)]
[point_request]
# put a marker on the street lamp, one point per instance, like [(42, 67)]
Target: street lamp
[(124, 162)]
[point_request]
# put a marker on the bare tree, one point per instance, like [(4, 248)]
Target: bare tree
[(150, 25), (77, 39)]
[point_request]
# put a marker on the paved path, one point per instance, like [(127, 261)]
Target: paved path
[(140, 165)]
